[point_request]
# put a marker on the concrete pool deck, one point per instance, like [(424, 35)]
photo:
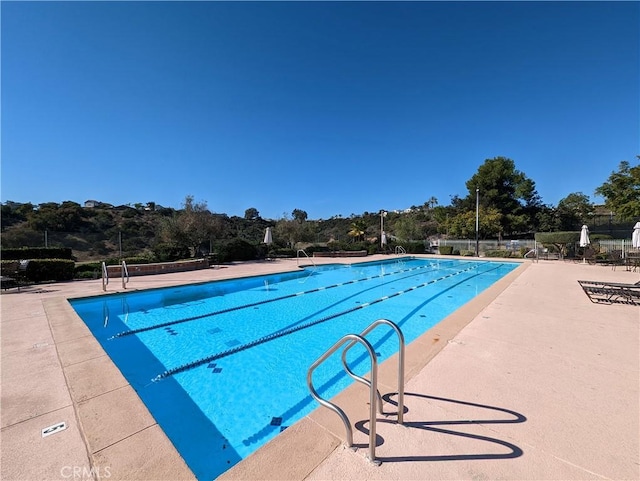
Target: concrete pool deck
[(530, 380)]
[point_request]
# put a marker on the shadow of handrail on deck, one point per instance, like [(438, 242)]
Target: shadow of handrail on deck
[(515, 451)]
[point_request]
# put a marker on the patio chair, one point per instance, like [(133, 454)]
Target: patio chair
[(611, 292), (589, 255), (612, 258), (16, 274), (8, 278)]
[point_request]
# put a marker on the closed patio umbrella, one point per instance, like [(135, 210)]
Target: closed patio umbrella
[(383, 239), (584, 240), (635, 238), (268, 239), (584, 236)]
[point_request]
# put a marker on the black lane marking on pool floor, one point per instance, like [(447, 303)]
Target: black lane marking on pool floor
[(270, 337), (265, 301)]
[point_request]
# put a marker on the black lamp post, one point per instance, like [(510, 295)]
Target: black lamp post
[(477, 223)]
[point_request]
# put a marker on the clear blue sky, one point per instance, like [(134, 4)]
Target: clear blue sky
[(330, 107)]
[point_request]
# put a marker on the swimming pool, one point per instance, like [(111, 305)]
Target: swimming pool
[(222, 365)]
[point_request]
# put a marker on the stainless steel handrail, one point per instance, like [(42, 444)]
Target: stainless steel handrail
[(366, 382), (400, 250), (354, 338), (307, 255), (124, 274), (105, 276)]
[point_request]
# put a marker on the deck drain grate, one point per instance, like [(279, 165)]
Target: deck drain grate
[(56, 428)]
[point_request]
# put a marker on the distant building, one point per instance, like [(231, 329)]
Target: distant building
[(96, 203)]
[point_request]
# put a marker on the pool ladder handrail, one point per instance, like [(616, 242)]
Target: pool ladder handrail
[(105, 276), (124, 274), (366, 382), (307, 255), (374, 395), (400, 250)]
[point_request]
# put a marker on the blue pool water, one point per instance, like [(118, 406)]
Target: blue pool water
[(222, 365)]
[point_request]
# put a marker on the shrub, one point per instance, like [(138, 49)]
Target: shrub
[(287, 252), (236, 250), (315, 248), (40, 270), (445, 250), (90, 270), (498, 253), (167, 252), (411, 247)]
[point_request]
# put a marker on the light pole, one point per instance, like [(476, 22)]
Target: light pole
[(477, 223), (383, 214)]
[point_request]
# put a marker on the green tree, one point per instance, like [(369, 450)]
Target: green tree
[(357, 230), (299, 215), (251, 214), (65, 217), (573, 211), (502, 187), (622, 191), (192, 227), (408, 228), (286, 228), (463, 225)]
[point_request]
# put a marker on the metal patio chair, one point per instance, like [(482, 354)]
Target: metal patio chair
[(611, 292)]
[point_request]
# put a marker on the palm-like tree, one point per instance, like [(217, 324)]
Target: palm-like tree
[(358, 228)]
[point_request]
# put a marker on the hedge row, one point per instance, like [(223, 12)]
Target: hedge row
[(17, 254)]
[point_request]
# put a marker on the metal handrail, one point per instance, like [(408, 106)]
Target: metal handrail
[(400, 250), (105, 276), (124, 275), (366, 382), (354, 338), (298, 257), (535, 251)]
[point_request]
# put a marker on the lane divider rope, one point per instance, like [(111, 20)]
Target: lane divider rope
[(258, 303), (270, 337)]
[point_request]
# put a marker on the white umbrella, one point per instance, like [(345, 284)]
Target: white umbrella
[(268, 239), (383, 239), (584, 236), (635, 238)]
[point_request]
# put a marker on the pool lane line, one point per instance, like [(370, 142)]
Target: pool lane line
[(276, 335), (258, 303)]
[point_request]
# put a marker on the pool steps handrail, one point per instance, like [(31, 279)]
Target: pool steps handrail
[(400, 250), (105, 276), (375, 399), (535, 251), (307, 255), (124, 274), (366, 382), (354, 338)]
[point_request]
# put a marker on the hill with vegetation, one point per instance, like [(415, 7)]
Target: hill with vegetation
[(502, 200)]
